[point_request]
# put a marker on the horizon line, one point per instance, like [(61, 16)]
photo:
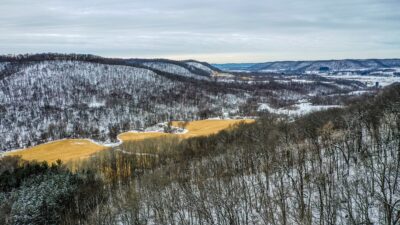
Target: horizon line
[(194, 59)]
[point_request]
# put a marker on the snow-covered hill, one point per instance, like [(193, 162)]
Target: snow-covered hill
[(54, 99), (173, 69), (192, 69), (52, 96)]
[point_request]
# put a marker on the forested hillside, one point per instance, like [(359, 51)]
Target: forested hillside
[(339, 166), (53, 99), (46, 97)]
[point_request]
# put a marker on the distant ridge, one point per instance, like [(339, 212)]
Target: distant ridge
[(187, 68), (312, 66)]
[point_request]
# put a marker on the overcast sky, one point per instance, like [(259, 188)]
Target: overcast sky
[(210, 30)]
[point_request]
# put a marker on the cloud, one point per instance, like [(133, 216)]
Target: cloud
[(210, 30)]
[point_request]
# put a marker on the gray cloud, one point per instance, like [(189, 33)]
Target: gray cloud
[(210, 30)]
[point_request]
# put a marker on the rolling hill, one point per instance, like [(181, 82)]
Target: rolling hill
[(49, 97)]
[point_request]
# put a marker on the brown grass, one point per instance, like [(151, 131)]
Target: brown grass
[(131, 136), (207, 127), (69, 149), (75, 149)]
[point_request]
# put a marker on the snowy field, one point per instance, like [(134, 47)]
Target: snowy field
[(368, 80), (303, 107)]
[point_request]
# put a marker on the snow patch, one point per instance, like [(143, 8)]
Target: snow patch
[(97, 104), (301, 108)]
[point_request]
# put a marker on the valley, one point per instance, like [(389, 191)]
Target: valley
[(47, 97), (156, 141), (219, 112)]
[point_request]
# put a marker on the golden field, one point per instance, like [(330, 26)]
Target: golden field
[(207, 127), (195, 129), (132, 136), (74, 149), (66, 150)]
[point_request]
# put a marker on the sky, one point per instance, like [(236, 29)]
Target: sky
[(216, 31)]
